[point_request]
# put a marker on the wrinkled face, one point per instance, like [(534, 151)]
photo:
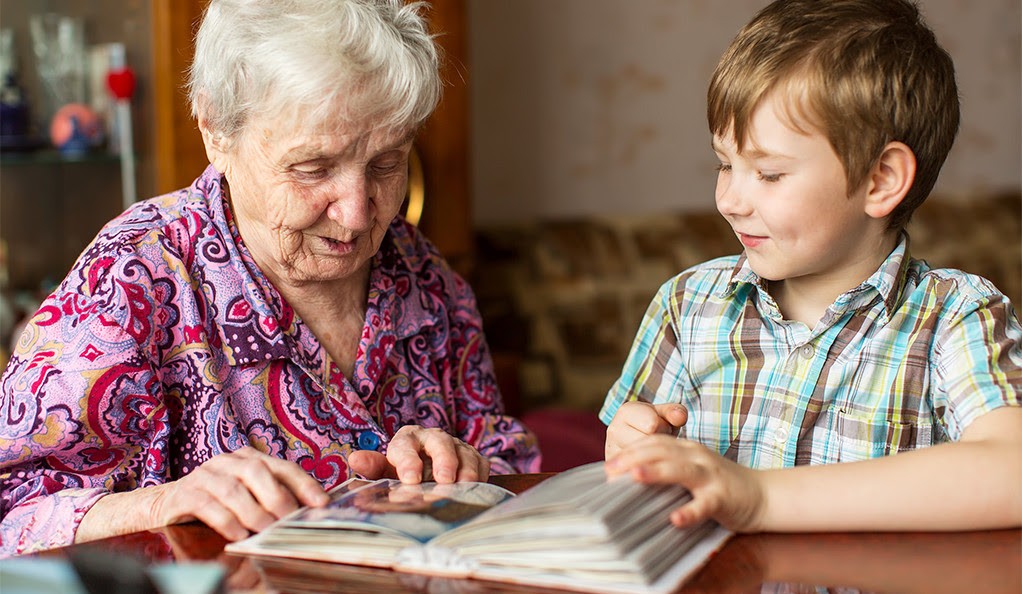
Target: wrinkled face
[(786, 198), (313, 202)]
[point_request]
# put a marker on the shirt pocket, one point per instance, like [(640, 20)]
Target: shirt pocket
[(864, 437)]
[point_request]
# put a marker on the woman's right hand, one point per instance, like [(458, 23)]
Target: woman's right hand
[(636, 419), (236, 494)]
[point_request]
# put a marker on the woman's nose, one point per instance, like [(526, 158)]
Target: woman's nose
[(351, 202)]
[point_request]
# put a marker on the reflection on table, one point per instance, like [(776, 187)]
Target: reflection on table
[(988, 562)]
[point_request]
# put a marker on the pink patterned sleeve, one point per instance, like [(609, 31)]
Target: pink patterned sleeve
[(78, 409), (482, 422)]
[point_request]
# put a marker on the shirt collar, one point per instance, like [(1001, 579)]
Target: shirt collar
[(742, 277), (254, 320), (887, 282), (250, 312)]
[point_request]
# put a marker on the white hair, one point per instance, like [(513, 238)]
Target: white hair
[(266, 56)]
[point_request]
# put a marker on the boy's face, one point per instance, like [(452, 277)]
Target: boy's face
[(786, 197)]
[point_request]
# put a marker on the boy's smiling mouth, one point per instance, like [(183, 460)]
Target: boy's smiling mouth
[(750, 241)]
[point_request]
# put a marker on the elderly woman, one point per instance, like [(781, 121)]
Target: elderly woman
[(227, 351)]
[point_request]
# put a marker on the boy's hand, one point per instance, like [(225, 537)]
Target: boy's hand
[(721, 489), (635, 420)]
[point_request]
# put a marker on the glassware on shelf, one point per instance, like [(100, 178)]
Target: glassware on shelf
[(14, 113), (58, 42)]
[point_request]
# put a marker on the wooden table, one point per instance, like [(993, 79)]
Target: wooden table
[(985, 562)]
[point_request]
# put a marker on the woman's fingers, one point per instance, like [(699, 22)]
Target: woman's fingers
[(453, 459), (239, 493), (224, 520), (371, 465), (186, 500), (405, 454), (441, 449), (290, 482), (472, 466), (420, 454)]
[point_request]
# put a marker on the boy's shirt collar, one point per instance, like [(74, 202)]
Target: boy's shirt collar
[(887, 283)]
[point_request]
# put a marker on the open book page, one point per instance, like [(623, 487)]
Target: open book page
[(368, 521), (575, 530)]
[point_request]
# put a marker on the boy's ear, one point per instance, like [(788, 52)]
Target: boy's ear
[(216, 143), (890, 179)]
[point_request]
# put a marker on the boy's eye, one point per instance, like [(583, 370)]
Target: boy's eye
[(769, 177), (723, 168)]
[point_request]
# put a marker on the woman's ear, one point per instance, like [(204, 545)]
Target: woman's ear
[(890, 179), (217, 144)]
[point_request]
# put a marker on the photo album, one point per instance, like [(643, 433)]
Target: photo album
[(576, 530)]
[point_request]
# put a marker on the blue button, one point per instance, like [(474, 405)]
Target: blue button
[(367, 440)]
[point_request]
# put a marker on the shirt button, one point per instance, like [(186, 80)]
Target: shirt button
[(781, 434), (367, 440), (807, 351)]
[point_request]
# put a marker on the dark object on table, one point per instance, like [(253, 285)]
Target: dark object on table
[(105, 572)]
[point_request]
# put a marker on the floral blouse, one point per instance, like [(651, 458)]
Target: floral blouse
[(165, 346)]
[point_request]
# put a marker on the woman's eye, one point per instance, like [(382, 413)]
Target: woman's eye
[(310, 172), (386, 167)]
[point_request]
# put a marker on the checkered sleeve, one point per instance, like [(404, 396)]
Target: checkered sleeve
[(653, 366), (977, 358)]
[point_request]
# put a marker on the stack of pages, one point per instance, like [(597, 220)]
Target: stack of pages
[(575, 530)]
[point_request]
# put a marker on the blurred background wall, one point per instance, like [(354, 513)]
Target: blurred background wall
[(585, 107)]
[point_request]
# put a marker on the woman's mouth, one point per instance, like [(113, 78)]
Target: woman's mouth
[(339, 247)]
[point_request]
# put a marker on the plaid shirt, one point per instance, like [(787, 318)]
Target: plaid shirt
[(905, 360)]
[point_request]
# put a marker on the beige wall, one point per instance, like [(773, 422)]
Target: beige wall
[(587, 107)]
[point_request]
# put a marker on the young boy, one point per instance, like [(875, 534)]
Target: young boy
[(824, 341)]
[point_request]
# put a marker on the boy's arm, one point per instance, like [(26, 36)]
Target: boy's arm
[(975, 483)]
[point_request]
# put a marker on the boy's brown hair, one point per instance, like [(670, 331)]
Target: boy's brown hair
[(863, 72)]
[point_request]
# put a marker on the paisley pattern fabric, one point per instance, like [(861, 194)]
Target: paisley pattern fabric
[(165, 346)]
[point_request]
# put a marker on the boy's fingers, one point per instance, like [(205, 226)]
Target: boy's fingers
[(639, 455), (693, 512), (674, 414)]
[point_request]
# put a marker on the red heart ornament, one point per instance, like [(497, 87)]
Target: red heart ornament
[(121, 83)]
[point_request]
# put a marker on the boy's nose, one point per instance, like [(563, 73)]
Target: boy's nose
[(729, 197)]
